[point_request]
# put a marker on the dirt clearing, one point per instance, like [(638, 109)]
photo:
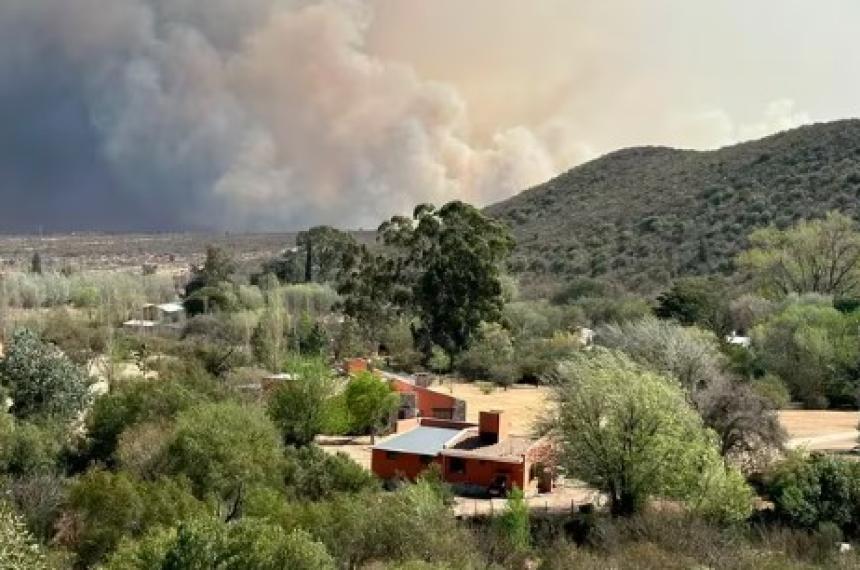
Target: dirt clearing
[(523, 404)]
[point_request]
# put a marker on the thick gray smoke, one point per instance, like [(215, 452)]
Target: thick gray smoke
[(252, 114), (278, 114)]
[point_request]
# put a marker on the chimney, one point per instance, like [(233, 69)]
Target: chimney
[(492, 426)]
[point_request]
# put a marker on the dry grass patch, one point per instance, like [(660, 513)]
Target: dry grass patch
[(522, 403)]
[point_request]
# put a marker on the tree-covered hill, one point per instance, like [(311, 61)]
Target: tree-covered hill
[(642, 216)]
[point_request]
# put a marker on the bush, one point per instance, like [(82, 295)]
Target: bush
[(336, 419), (18, 549), (107, 507), (30, 449), (809, 491), (247, 545), (41, 380), (490, 357), (221, 447), (773, 389), (312, 474), (131, 404), (122, 290)]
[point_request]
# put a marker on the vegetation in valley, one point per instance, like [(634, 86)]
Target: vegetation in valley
[(200, 447)]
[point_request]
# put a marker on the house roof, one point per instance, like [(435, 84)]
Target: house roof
[(422, 440), (470, 444), (171, 307), (139, 323)]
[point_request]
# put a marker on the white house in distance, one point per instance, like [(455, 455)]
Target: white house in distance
[(738, 340), (164, 317)]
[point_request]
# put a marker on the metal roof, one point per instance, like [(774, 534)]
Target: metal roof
[(422, 440)]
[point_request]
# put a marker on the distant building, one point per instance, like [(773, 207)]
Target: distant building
[(165, 317), (417, 400), (271, 382), (353, 366), (473, 458), (738, 340), (586, 336)]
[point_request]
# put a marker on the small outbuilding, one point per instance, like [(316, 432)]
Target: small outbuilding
[(164, 317)]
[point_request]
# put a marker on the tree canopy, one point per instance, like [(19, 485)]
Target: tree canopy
[(41, 380), (632, 434), (818, 256), (442, 266), (318, 257), (370, 401)]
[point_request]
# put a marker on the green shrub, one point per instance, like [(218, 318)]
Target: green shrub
[(208, 543), (313, 474), (772, 388), (223, 446), (18, 549), (810, 490), (41, 380)]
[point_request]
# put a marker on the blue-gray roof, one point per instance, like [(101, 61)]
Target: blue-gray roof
[(422, 440)]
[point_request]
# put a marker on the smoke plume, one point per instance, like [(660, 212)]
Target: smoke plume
[(279, 114)]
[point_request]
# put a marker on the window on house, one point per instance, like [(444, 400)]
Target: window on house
[(426, 459), (391, 455), (443, 413), (457, 465)]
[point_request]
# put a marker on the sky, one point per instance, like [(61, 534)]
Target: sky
[(275, 115)]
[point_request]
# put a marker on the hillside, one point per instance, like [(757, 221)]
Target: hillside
[(642, 216)]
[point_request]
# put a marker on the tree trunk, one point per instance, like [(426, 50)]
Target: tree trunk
[(623, 504), (309, 257)]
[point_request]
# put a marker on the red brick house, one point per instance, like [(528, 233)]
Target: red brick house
[(417, 400), (472, 457)]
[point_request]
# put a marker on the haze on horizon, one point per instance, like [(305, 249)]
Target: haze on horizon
[(280, 114)]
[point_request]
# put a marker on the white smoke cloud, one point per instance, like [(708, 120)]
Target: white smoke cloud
[(275, 114), (716, 127)]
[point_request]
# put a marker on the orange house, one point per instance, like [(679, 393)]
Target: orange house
[(472, 458), (419, 400)]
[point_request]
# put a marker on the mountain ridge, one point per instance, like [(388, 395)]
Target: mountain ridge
[(642, 216)]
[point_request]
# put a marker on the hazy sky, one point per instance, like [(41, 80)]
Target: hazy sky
[(279, 114)]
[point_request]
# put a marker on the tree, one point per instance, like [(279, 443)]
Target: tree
[(310, 337), (324, 249), (439, 361), (41, 380), (349, 341), (211, 285), (745, 422), (813, 348), (317, 258), (133, 403), (696, 301), (223, 447), (370, 402), (298, 405), (810, 490), (686, 353), (490, 357), (108, 507), (18, 549), (441, 265), (819, 256), (313, 474), (36, 264), (267, 339), (513, 523), (632, 434), (28, 449), (200, 543)]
